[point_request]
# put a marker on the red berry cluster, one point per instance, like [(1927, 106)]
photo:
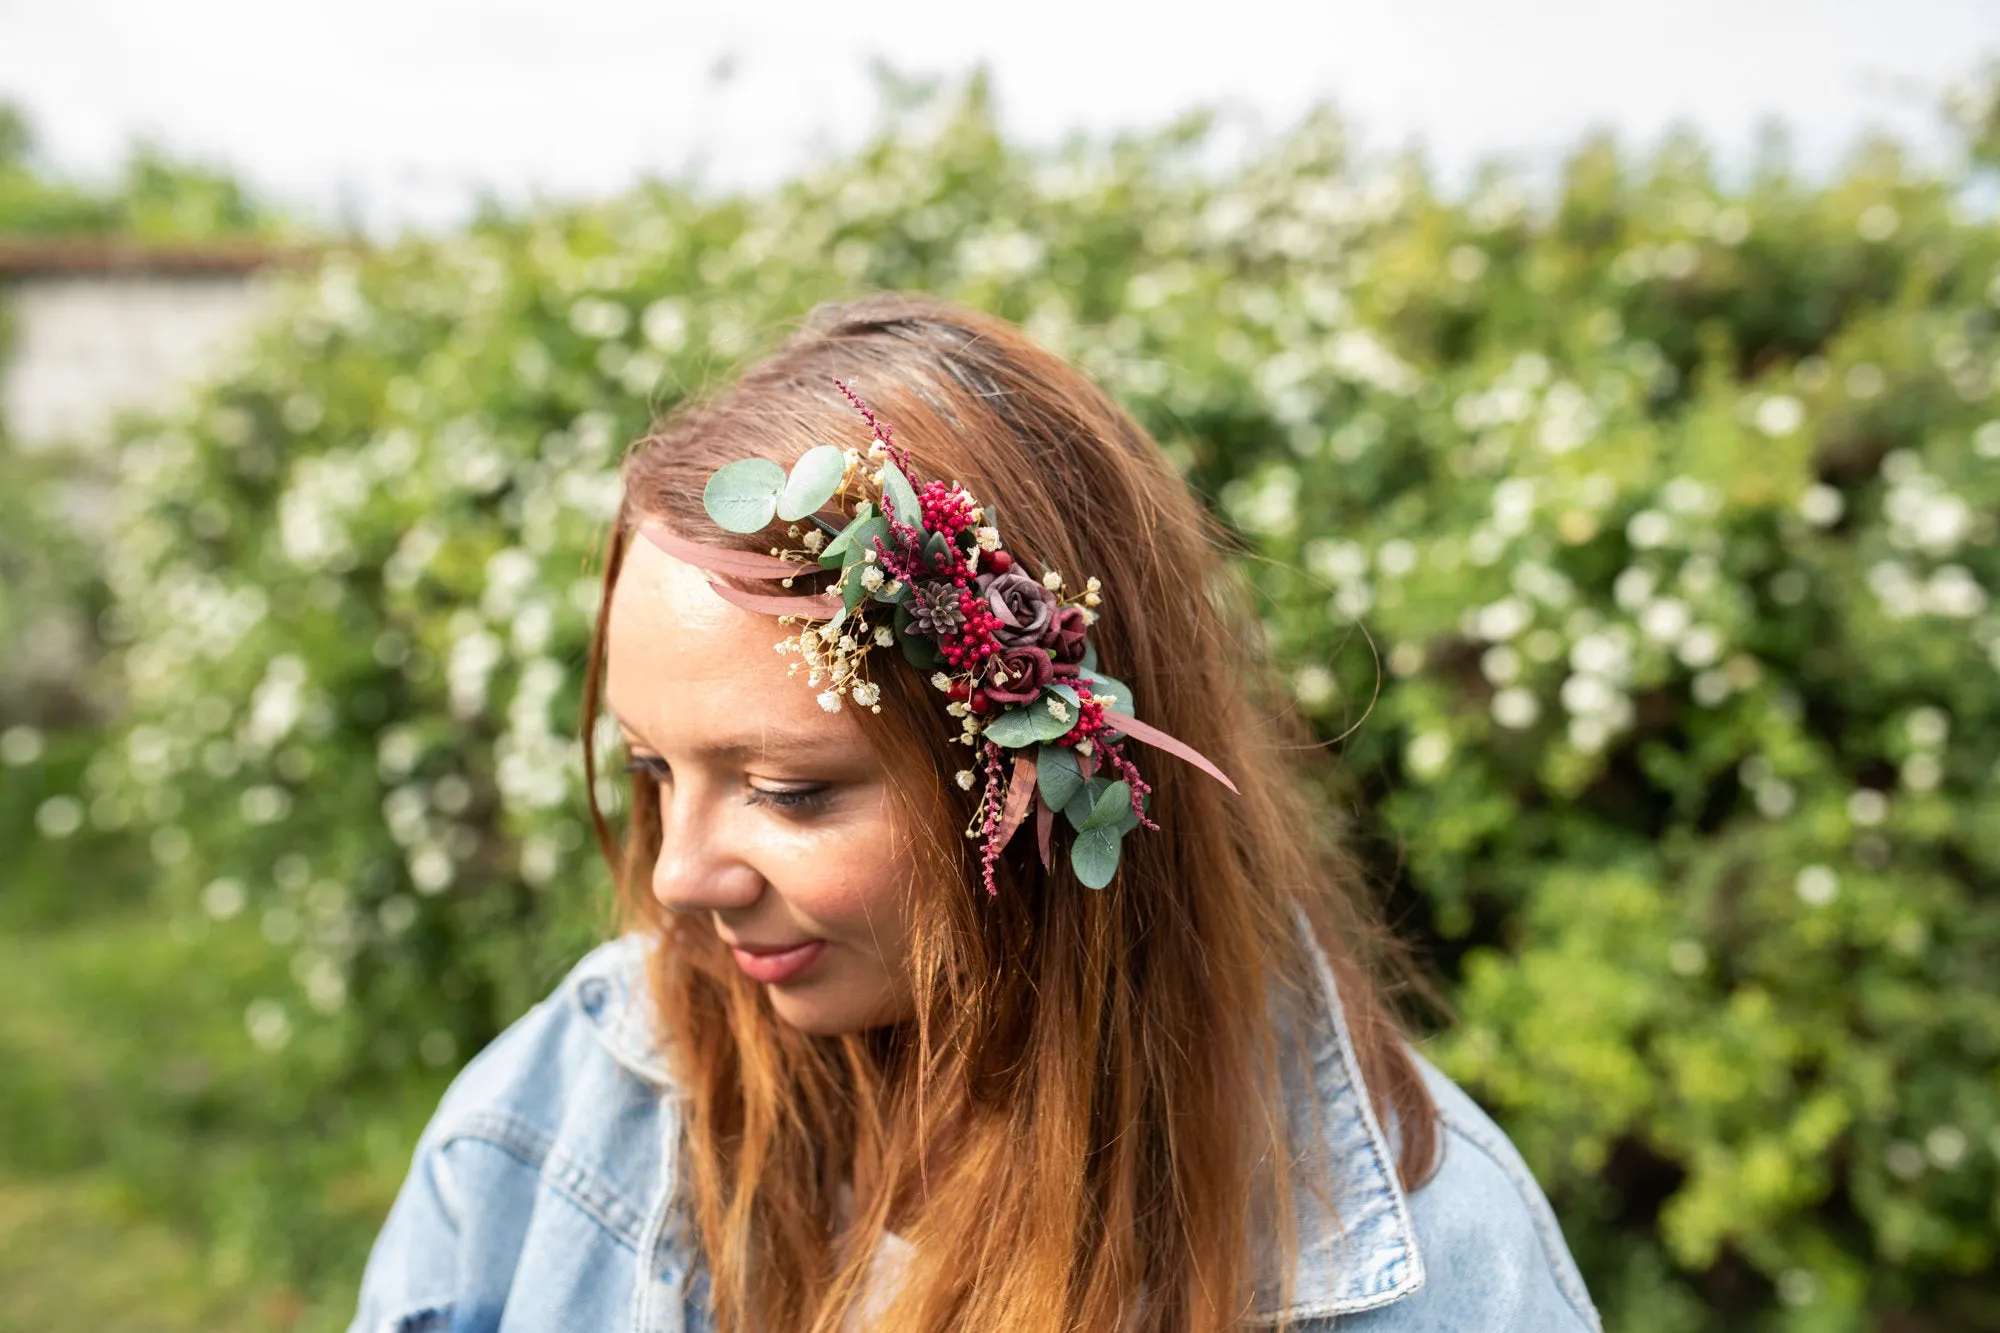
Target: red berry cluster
[(974, 643), (946, 508), (1089, 720)]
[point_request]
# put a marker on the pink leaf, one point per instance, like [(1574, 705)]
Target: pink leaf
[(1153, 736)]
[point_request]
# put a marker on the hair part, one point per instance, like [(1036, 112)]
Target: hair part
[(1083, 1125)]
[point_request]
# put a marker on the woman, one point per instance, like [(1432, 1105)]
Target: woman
[(873, 1052)]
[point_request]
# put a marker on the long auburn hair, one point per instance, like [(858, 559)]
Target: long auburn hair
[(1082, 1127)]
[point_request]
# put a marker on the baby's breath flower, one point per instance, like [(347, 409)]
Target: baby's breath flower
[(846, 644), (1092, 585), (871, 578), (1091, 599), (884, 637), (1052, 580), (1084, 746), (964, 778), (940, 681), (829, 700), (870, 555), (892, 587), (989, 538), (1058, 710), (813, 540)]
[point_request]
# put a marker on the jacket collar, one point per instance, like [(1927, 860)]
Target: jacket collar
[(1359, 1255)]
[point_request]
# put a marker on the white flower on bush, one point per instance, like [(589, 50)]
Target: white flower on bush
[(1664, 619), (1816, 885), (1503, 619), (1648, 529), (1779, 414), (1821, 505), (1428, 754), (1516, 708)]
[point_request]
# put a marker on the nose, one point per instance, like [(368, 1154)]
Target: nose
[(700, 867)]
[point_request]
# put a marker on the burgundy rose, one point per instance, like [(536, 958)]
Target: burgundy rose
[(1066, 634), (1023, 605), (1028, 669)]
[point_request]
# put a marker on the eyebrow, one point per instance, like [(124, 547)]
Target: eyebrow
[(746, 747)]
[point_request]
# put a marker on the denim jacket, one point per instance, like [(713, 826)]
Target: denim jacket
[(541, 1196)]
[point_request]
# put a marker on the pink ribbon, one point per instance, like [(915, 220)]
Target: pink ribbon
[(1153, 736)]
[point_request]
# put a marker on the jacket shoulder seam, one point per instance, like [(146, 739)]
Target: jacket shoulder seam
[(1527, 1194), (537, 1149)]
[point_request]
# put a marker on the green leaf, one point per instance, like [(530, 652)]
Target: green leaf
[(1128, 819), (1084, 803), (742, 496), (1089, 655), (935, 546), (1115, 798), (862, 535), (815, 477), (902, 497), (1014, 728), (851, 591), (1035, 721), (1112, 685), (1057, 774), (1094, 856)]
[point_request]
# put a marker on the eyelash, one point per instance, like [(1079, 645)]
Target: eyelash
[(786, 802)]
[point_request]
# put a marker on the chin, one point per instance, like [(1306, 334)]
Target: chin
[(829, 1015)]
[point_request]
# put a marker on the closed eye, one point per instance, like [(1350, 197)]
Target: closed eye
[(790, 800)]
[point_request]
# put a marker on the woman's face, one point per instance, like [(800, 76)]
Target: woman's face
[(775, 816)]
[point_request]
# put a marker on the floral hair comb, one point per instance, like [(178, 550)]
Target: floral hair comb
[(925, 569)]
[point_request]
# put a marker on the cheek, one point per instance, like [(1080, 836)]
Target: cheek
[(855, 886)]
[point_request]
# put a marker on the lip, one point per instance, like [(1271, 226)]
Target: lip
[(772, 966)]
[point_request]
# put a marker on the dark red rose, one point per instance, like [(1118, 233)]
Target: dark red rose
[(1022, 604), (1028, 669), (1065, 634)]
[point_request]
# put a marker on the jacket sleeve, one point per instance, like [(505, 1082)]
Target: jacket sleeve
[(410, 1281)]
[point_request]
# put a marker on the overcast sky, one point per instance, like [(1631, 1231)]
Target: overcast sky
[(405, 106)]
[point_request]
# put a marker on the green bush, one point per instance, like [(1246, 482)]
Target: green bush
[(1667, 506)]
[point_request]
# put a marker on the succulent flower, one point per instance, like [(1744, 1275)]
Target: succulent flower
[(934, 609)]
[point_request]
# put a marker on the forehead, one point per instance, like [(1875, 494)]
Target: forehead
[(684, 666)]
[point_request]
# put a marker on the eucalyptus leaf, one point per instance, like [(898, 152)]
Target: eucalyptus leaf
[(1083, 804), (1089, 655), (852, 592), (1129, 819), (1116, 798), (861, 535), (1094, 856), (902, 497), (1014, 728), (1057, 775), (1051, 726), (1101, 685), (743, 496), (936, 546), (815, 477)]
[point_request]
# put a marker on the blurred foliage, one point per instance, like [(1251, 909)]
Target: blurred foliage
[(1667, 501), (156, 196)]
